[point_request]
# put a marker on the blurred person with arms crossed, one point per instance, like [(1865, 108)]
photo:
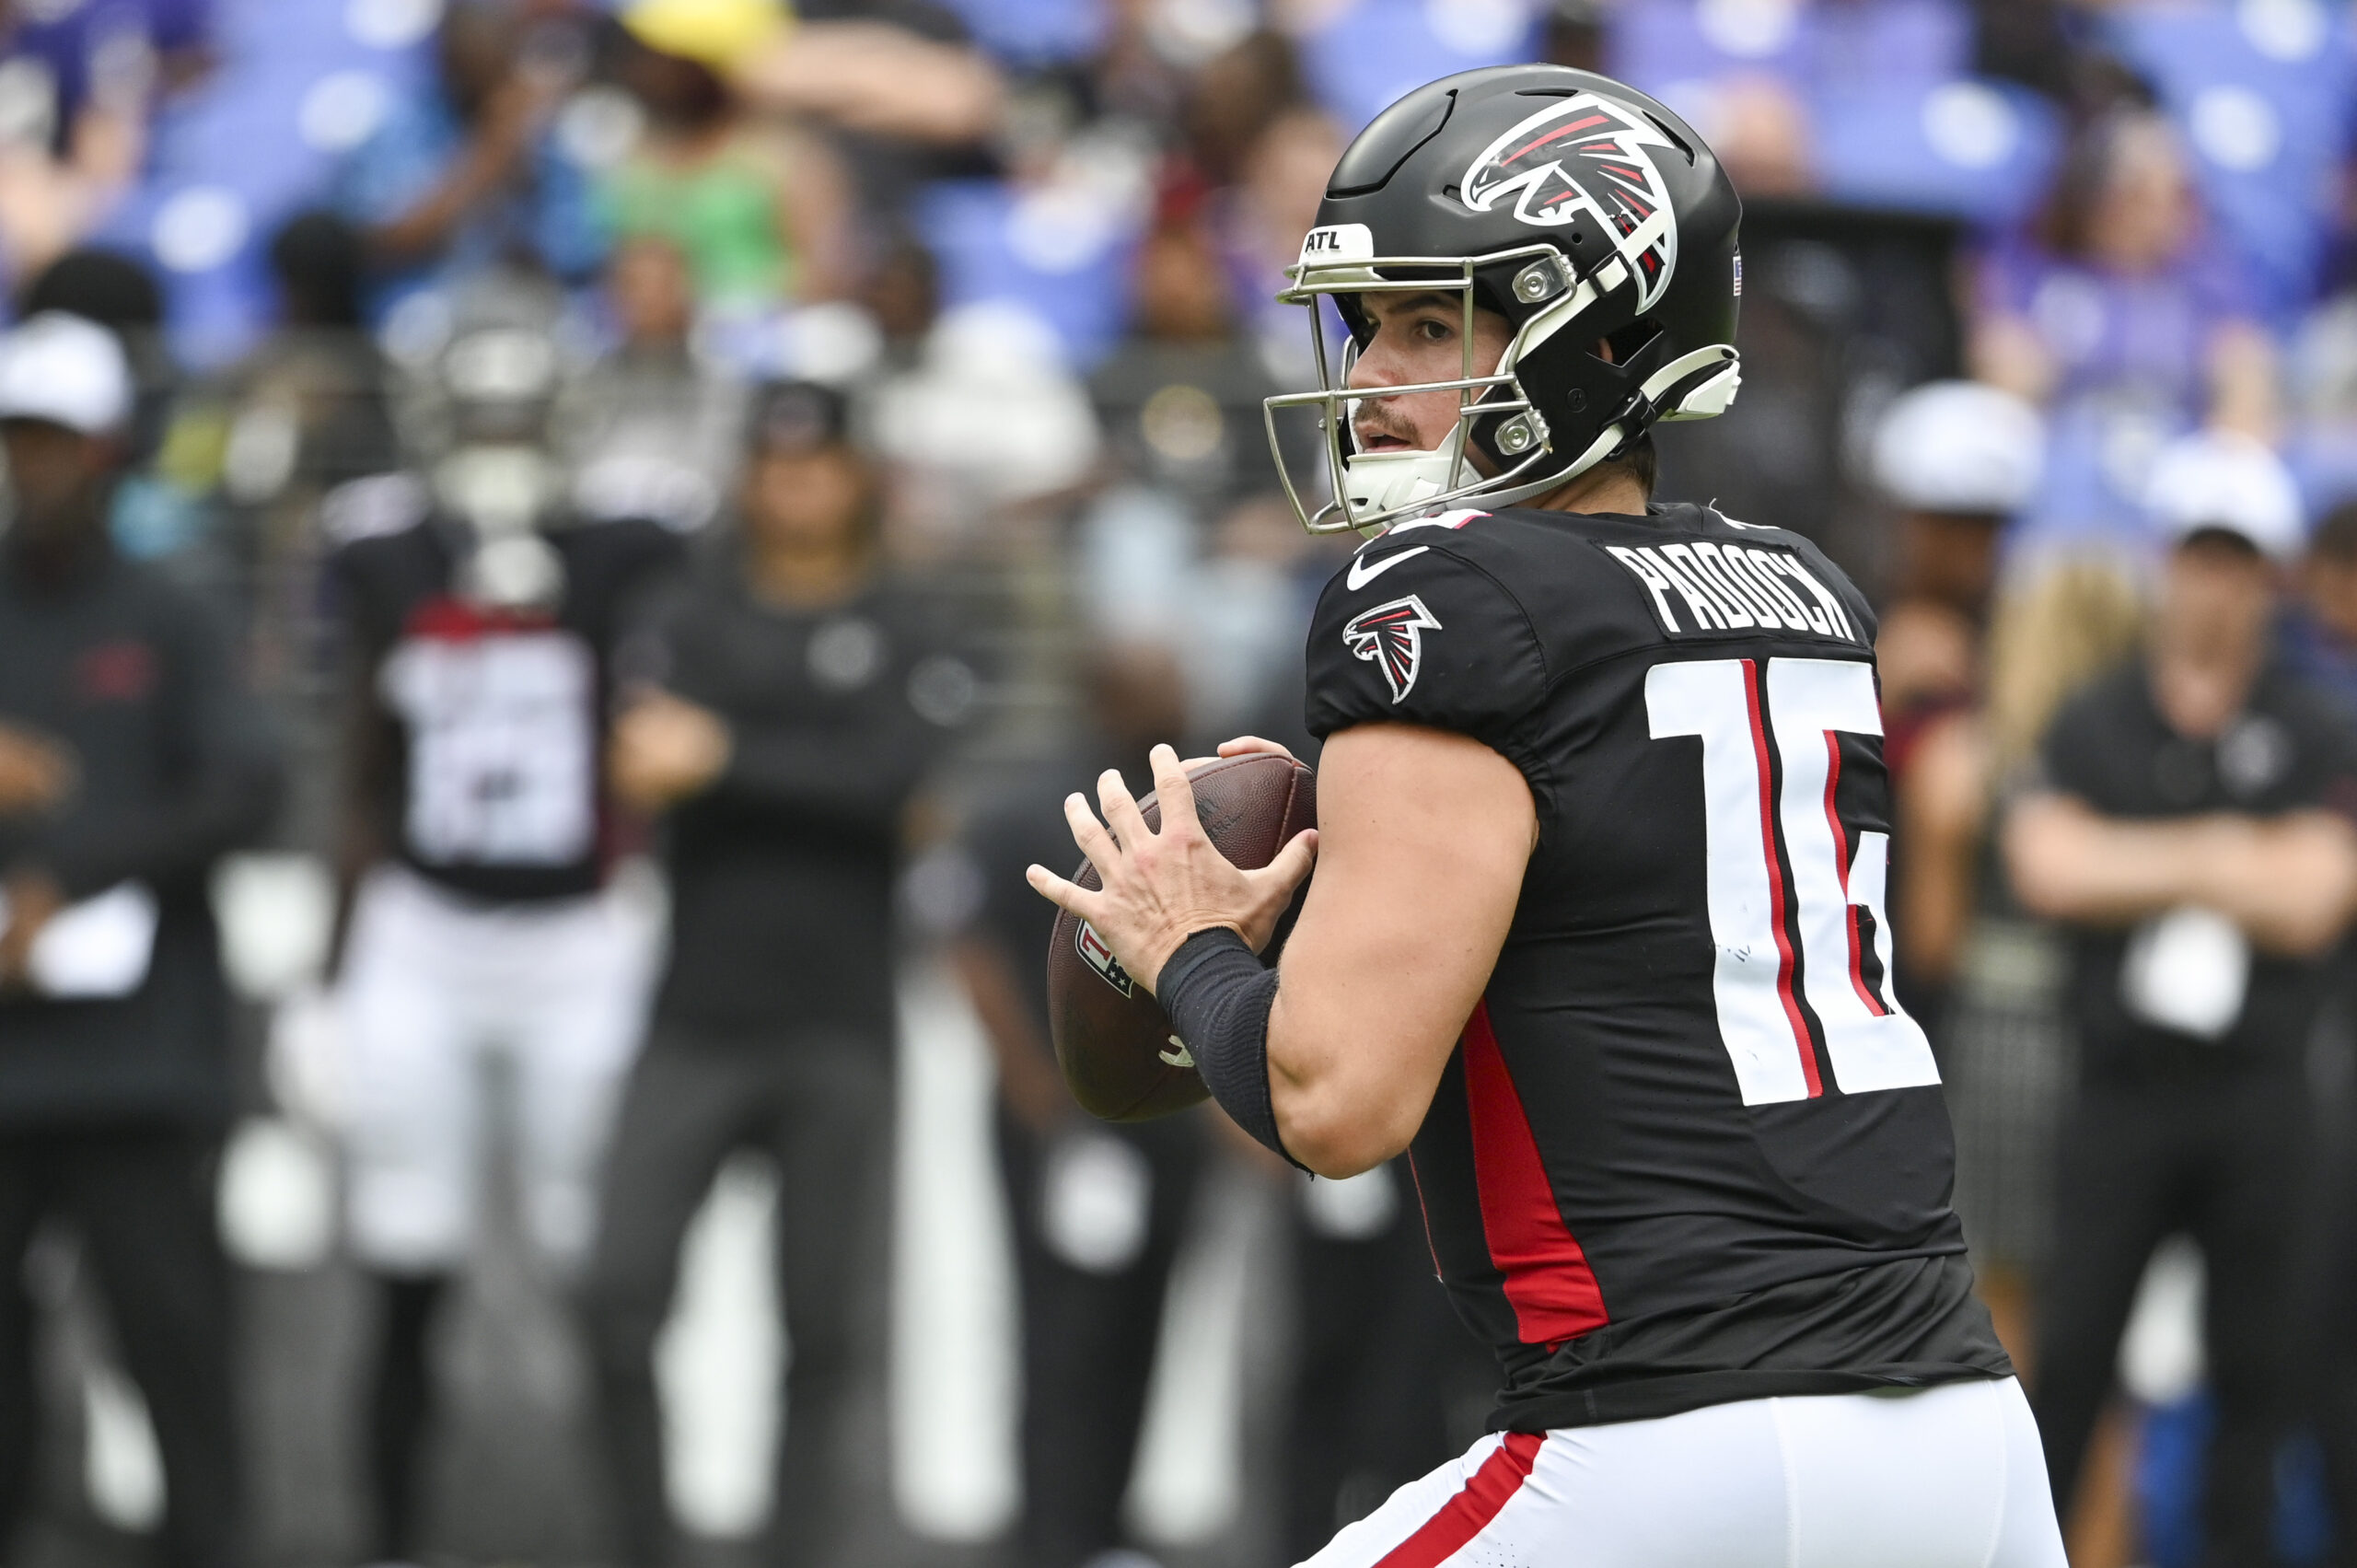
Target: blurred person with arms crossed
[(131, 759), (790, 698), (2189, 822)]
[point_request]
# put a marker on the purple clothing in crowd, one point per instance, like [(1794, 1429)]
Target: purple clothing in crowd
[(2131, 356)]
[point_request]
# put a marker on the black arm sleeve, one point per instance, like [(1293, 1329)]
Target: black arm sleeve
[(1217, 995)]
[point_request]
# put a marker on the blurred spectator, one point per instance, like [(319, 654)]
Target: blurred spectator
[(652, 429), (875, 77), (2129, 318), (2002, 1028), (469, 176), (1958, 461), (794, 699), (75, 89), (1180, 398), (1233, 99), (1262, 222), (990, 419), (1097, 1209), (2186, 827), (319, 369), (2321, 635), (130, 759), (157, 510), (478, 622), (1868, 102), (757, 211)]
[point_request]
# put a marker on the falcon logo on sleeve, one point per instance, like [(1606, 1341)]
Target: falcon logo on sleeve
[(1391, 637)]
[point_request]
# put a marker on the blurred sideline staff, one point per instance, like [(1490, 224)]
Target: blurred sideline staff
[(1098, 1209), (130, 758), (2187, 824), (788, 700), (477, 617)]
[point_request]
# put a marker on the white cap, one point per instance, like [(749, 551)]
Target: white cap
[(1959, 446), (65, 370), (2216, 480)]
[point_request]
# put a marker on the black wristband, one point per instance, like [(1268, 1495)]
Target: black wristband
[(1217, 995)]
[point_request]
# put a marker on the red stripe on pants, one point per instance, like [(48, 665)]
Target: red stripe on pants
[(1468, 1512), (1547, 1280)]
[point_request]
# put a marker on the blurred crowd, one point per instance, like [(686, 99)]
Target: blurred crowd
[(562, 557)]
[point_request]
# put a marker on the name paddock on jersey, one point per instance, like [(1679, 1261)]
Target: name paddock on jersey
[(1722, 587)]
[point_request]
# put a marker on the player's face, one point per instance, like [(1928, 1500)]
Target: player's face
[(1417, 338)]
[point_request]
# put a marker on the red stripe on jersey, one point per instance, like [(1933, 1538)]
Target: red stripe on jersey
[(1841, 869), (1776, 899), (1468, 1512), (1425, 1212), (447, 617), (1548, 1280)]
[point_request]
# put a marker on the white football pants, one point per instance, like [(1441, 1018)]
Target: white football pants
[(1947, 1477), (431, 984)]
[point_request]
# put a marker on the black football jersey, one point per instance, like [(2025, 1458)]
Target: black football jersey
[(480, 732), (1689, 1148)]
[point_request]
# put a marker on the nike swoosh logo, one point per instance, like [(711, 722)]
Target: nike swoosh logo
[(1363, 572)]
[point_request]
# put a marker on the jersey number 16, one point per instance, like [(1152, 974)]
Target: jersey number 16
[(1799, 921)]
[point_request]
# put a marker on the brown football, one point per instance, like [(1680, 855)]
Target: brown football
[(1119, 1055)]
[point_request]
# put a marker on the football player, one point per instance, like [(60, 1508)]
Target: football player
[(480, 622), (1598, 935)]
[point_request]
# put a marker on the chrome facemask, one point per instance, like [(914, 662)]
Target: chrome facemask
[(1375, 490)]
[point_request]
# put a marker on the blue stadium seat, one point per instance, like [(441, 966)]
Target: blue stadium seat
[(232, 159), (1365, 55), (989, 247), (1028, 34), (2265, 91), (1816, 48), (1967, 147)]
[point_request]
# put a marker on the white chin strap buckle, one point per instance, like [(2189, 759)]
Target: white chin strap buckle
[(1378, 482)]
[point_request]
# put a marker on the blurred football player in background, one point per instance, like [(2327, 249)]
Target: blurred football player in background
[(478, 629)]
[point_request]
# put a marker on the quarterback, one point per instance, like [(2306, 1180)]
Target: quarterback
[(1597, 934)]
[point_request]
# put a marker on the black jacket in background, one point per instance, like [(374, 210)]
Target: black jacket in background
[(781, 872), (2290, 749), (177, 765)]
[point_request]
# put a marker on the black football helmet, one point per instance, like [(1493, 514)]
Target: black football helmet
[(1578, 208)]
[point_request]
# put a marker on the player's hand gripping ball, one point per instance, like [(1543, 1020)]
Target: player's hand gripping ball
[(1119, 1055)]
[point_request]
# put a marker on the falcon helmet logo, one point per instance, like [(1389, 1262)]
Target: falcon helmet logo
[(1587, 155), (1391, 637)]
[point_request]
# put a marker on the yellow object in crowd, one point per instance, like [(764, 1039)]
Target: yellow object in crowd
[(719, 33)]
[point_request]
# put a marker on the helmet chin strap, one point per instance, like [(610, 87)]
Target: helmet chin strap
[(1406, 477), (1385, 482)]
